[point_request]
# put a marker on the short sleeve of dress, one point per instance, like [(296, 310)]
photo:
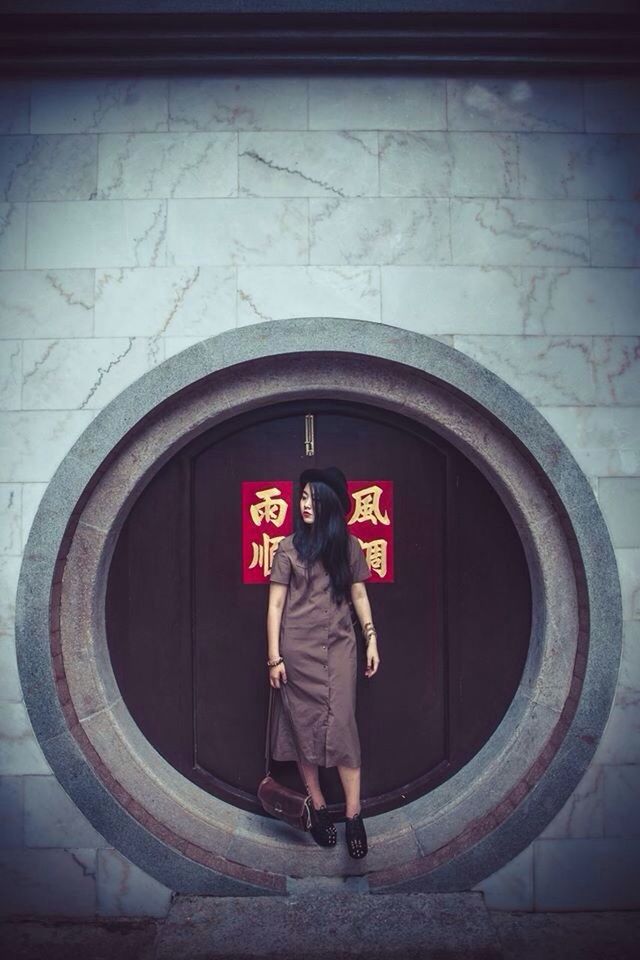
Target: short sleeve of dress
[(359, 566), (280, 567)]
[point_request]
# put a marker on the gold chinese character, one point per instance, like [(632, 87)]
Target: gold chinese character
[(262, 553), (270, 510), (368, 506), (375, 553)]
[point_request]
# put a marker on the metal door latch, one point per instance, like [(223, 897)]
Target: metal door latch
[(309, 440)]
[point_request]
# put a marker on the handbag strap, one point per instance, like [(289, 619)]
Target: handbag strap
[(267, 752), (267, 746)]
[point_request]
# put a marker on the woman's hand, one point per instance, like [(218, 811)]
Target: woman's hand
[(277, 674), (373, 660)]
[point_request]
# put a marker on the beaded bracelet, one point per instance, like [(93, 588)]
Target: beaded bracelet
[(274, 663), (370, 632)]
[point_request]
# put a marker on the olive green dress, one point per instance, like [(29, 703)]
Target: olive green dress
[(318, 643)]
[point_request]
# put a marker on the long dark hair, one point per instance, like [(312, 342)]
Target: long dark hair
[(326, 538)]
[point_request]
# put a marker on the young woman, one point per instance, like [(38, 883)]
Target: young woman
[(312, 648)]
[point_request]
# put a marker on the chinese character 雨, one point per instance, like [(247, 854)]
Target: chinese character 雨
[(271, 510)]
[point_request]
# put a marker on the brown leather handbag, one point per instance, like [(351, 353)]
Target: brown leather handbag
[(282, 802)]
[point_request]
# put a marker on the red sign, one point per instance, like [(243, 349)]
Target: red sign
[(371, 521), (267, 517)]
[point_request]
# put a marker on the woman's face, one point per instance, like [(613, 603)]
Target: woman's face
[(306, 504)]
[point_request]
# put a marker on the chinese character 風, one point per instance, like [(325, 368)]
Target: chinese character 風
[(368, 506)]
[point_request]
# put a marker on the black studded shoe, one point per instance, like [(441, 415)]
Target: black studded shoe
[(356, 837), (323, 829)]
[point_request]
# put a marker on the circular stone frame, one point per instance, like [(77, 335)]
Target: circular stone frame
[(466, 828)]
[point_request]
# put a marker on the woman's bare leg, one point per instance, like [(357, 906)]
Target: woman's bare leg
[(350, 777), (309, 774)]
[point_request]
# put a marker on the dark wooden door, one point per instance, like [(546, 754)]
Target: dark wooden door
[(188, 637)]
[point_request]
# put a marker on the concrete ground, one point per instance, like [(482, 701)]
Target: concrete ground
[(416, 927)]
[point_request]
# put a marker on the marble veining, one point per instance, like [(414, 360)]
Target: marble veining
[(53, 167), (237, 103), (82, 374), (10, 526), (382, 103), (310, 164), (95, 105), (170, 301), (12, 235), (448, 164), (571, 370), (10, 373), (218, 232), (379, 231), (615, 233), (527, 103), (265, 293), (95, 232), (580, 300), (519, 231), (167, 165), (139, 216), (579, 166), (38, 303)]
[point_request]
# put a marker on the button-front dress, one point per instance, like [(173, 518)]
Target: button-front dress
[(318, 644)]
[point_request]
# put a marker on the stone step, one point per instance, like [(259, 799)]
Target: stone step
[(306, 926)]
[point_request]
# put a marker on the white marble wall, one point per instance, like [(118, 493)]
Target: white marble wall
[(140, 215)]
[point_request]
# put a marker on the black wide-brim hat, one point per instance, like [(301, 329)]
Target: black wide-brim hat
[(334, 478)]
